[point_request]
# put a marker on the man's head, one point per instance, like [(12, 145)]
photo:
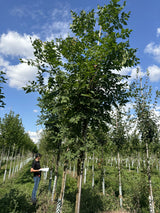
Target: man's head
[(38, 156)]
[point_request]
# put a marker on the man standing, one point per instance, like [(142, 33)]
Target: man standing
[(37, 175)]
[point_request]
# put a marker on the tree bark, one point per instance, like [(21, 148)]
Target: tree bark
[(5, 172), (80, 164), (10, 169), (73, 174), (61, 197), (103, 182), (13, 169), (85, 169), (93, 171), (151, 200), (85, 174), (120, 183), (2, 154), (50, 180), (56, 176)]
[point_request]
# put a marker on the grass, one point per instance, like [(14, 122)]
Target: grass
[(15, 193)]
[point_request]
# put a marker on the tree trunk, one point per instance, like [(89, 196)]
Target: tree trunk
[(74, 170), (103, 182), (13, 169), (120, 183), (85, 169), (85, 174), (21, 160), (61, 197), (103, 172), (10, 169), (93, 171), (56, 176), (2, 155), (80, 164), (151, 201), (5, 172), (50, 180)]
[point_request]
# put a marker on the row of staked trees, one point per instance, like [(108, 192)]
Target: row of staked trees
[(13, 137), (12, 133), (84, 82), (123, 141)]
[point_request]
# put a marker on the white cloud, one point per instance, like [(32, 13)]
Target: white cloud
[(132, 72), (128, 106), (126, 70), (64, 12), (18, 11), (3, 63), (20, 74), (52, 24), (158, 32), (158, 108), (29, 11), (35, 110), (157, 113), (59, 24), (56, 30), (154, 50), (35, 136), (154, 73), (16, 45)]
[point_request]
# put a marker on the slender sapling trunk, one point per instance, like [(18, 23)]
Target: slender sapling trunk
[(151, 200), (80, 164), (120, 183), (56, 176)]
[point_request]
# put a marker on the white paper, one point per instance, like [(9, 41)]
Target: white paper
[(44, 169)]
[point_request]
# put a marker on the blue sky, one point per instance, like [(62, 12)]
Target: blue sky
[(48, 19)]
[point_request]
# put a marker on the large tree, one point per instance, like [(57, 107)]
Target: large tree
[(83, 72)]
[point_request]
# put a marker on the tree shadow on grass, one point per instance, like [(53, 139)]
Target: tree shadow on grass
[(91, 201), (16, 201)]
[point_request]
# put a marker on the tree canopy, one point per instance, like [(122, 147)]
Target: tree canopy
[(79, 77), (83, 69), (12, 134)]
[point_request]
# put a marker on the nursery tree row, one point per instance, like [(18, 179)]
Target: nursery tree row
[(13, 138), (84, 81), (123, 141), (80, 84)]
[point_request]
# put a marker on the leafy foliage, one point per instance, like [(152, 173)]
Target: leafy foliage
[(147, 121), (13, 134), (83, 73), (79, 78)]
